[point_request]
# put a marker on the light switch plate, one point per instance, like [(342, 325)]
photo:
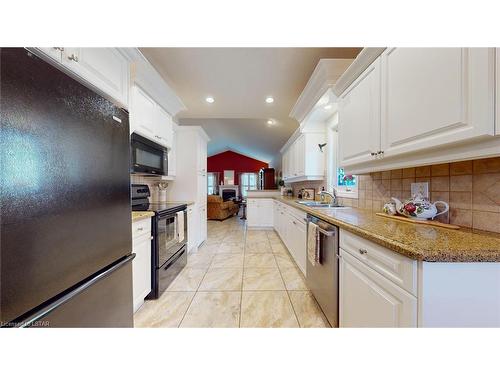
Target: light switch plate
[(420, 188)]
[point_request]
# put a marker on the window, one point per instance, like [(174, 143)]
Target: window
[(248, 181), (212, 183), (345, 180), (345, 185)]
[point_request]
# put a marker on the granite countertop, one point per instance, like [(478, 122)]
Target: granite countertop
[(187, 203), (264, 190), (416, 241), (139, 215)]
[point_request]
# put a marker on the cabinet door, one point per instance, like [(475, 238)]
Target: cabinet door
[(192, 230), (163, 127), (253, 213), (202, 156), (105, 68), (300, 155), (266, 212), (142, 114), (435, 96), (203, 225), (141, 270), (367, 299), (299, 243), (172, 156), (202, 188), (284, 167), (276, 212), (359, 118)]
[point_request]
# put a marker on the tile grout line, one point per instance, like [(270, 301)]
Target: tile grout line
[(287, 292), (194, 295)]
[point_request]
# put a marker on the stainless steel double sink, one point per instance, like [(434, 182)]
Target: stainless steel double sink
[(315, 204)]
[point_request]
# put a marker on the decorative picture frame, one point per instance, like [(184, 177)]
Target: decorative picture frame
[(309, 194)]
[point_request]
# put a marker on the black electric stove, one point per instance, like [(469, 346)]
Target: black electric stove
[(169, 245)]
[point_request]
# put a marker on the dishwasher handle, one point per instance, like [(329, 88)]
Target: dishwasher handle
[(328, 233)]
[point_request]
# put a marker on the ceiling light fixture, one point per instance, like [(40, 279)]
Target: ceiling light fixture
[(209, 99), (270, 122), (269, 100)]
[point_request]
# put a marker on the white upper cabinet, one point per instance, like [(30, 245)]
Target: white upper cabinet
[(202, 157), (416, 106), (142, 113), (106, 69), (164, 127), (149, 119), (302, 160), (435, 96), (172, 154), (359, 118)]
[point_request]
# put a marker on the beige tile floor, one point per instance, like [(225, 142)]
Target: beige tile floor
[(237, 278)]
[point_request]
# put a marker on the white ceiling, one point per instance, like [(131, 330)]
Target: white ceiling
[(240, 79)]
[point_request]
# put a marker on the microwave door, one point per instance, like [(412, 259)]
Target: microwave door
[(148, 157)]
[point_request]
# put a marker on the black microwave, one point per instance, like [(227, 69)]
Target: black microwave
[(148, 157)]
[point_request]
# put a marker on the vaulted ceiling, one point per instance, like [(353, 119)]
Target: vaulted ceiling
[(240, 79)]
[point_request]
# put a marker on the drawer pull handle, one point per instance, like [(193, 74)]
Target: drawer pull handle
[(140, 228), (363, 251)]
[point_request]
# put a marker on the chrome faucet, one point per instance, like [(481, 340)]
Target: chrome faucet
[(332, 196)]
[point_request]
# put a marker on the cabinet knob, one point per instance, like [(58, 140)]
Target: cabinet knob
[(363, 251), (373, 153), (73, 57), (380, 152)]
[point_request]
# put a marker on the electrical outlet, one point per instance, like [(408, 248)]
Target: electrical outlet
[(420, 188)]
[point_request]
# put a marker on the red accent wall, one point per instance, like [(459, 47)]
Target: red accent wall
[(230, 160)]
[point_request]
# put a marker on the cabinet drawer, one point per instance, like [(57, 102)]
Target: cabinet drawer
[(396, 267), (141, 228)]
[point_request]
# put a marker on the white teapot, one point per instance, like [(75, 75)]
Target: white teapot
[(419, 208)]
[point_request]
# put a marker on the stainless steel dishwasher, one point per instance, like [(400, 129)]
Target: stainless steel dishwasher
[(323, 278)]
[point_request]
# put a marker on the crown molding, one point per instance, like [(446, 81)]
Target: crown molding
[(147, 77), (324, 76), (358, 66)]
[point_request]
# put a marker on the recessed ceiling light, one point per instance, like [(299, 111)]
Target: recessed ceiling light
[(270, 122), (328, 106), (209, 99), (269, 100)]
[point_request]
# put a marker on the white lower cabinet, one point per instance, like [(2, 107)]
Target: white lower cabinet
[(260, 212), (197, 225), (192, 230), (297, 240), (368, 299), (290, 225), (141, 265), (203, 224), (382, 288)]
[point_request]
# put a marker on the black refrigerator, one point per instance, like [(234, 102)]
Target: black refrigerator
[(65, 214)]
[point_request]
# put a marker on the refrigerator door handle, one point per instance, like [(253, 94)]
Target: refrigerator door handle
[(29, 320)]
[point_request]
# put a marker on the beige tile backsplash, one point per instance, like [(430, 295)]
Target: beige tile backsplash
[(472, 189)]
